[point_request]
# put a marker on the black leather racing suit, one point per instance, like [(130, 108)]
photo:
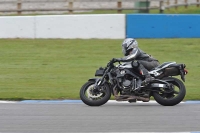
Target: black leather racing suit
[(146, 62)]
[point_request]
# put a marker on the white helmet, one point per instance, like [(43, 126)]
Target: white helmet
[(128, 45)]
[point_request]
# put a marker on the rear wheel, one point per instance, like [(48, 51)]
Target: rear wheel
[(98, 98), (175, 94)]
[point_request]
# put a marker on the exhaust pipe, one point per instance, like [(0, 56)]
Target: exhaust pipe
[(128, 97)]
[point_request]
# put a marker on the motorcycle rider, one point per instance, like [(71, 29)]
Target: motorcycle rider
[(141, 60)]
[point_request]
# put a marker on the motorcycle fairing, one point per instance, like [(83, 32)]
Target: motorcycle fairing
[(156, 70)]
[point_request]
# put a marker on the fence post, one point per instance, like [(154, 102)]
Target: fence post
[(168, 3), (176, 2), (186, 1), (197, 4), (119, 5), (19, 7), (71, 6), (162, 8)]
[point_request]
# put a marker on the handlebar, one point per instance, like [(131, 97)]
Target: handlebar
[(112, 62)]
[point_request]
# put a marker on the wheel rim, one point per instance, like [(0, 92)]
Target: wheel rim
[(90, 96), (172, 92)]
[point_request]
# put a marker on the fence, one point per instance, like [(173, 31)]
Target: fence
[(186, 4), (71, 8)]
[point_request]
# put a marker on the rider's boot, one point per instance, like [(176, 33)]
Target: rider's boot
[(145, 73), (148, 79)]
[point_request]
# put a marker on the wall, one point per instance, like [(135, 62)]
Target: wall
[(163, 26), (63, 26), (110, 26), (17, 27)]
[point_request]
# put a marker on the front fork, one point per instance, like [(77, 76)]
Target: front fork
[(97, 85)]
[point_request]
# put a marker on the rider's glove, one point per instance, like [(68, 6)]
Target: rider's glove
[(115, 60)]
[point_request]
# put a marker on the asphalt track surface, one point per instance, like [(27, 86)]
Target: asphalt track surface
[(111, 117)]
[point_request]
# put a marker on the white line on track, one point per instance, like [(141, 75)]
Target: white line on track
[(8, 102)]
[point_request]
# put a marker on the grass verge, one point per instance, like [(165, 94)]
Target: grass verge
[(56, 68)]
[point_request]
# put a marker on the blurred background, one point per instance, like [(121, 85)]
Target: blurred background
[(22, 7)]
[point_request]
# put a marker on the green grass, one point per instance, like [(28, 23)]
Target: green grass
[(183, 10), (56, 69)]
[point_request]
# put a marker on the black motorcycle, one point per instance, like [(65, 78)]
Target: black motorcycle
[(124, 82)]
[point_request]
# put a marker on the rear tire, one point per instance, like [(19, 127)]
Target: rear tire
[(173, 100), (94, 100)]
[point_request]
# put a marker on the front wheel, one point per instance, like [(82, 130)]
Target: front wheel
[(174, 97), (97, 99)]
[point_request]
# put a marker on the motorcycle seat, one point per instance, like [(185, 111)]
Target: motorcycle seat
[(164, 65)]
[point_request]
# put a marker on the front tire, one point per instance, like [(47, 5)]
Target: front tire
[(94, 100), (173, 98)]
